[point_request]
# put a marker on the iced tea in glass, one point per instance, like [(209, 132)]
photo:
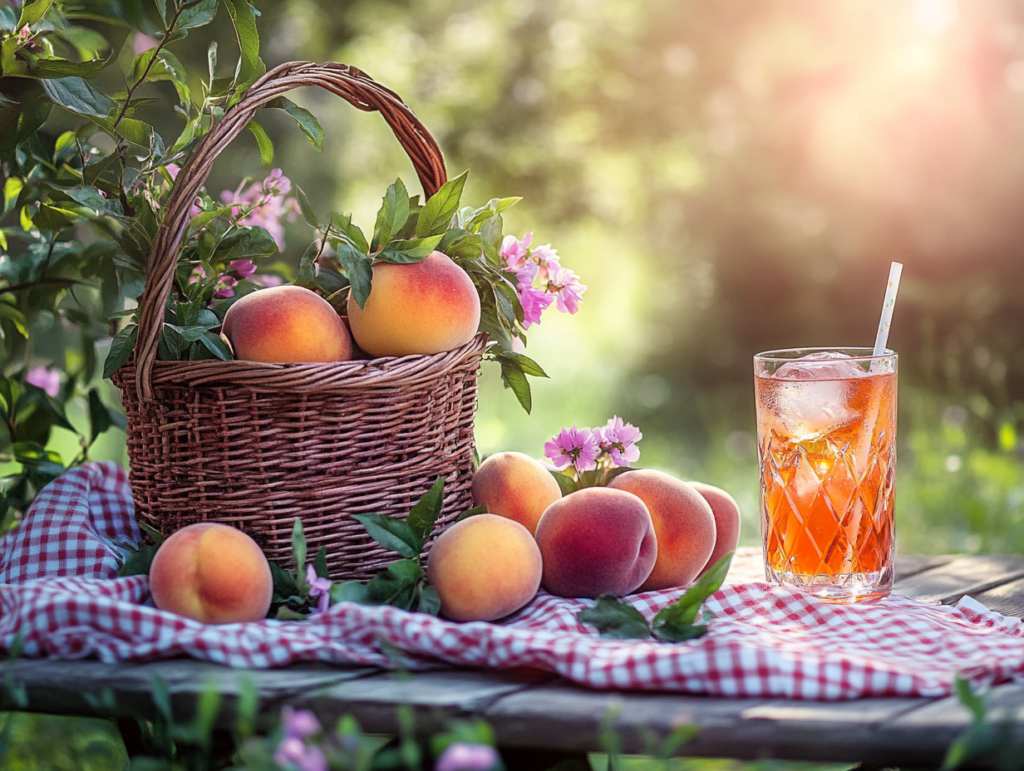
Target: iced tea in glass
[(826, 430)]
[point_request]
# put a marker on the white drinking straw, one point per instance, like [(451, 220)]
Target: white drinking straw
[(887, 304)]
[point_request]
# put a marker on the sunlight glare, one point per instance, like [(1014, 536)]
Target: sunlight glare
[(934, 17)]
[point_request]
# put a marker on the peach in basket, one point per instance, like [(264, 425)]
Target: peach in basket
[(286, 324)]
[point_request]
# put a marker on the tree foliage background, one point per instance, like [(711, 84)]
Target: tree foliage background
[(726, 177)]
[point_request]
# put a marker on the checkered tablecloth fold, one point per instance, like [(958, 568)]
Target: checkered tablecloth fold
[(763, 640)]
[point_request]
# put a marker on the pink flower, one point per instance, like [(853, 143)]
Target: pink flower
[(515, 252), (225, 287), (546, 259), (299, 723), (566, 286), (535, 302), (619, 440), (269, 280), (172, 170), (526, 274), (197, 208), (265, 204), (47, 379), (318, 587), (294, 752), (143, 43), (576, 446), (244, 268), (24, 32), (462, 756)]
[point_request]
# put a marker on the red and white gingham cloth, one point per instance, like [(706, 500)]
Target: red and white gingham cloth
[(60, 592)]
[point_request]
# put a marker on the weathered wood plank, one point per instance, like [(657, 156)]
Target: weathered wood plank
[(92, 688), (970, 574), (1007, 599), (435, 697), (942, 720), (736, 728), (911, 564)]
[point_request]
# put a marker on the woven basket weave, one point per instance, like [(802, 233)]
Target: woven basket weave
[(256, 445)]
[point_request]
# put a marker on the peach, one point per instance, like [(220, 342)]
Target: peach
[(211, 573), (596, 541), (484, 568), (683, 521), (286, 324), (514, 485), (727, 520), (424, 307)]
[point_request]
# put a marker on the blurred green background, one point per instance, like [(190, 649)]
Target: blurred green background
[(726, 178)]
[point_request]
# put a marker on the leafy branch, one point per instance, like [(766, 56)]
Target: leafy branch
[(403, 583), (674, 623)]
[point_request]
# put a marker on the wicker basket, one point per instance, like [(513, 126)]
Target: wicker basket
[(256, 445)]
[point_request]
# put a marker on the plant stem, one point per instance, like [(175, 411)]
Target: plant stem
[(128, 209)]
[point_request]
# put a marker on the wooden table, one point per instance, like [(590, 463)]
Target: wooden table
[(534, 712)]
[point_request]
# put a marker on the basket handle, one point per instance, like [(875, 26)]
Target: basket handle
[(352, 85)]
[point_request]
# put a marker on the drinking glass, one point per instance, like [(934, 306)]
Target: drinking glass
[(826, 433)]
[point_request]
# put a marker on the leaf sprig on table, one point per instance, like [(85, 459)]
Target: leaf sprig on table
[(674, 623), (403, 583)]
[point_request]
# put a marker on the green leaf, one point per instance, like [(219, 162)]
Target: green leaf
[(263, 142), (437, 213), (78, 96), (490, 235), (394, 211), (350, 591), (197, 14), (243, 18), (52, 67), (615, 619), (481, 509), (674, 622), (12, 189), (205, 218), (395, 585), (138, 561), (32, 12), (477, 217), (99, 416), (429, 601), (393, 534), (216, 345), (409, 251), (284, 583), (526, 364), (135, 131), (359, 271), (565, 482), (120, 349), (161, 8), (320, 562), (344, 229), (36, 457), (306, 209), (513, 377), (16, 317), (424, 514), (303, 118), (167, 67), (299, 553)]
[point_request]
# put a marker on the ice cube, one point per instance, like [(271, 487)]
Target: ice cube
[(821, 365), (815, 401), (809, 409)]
